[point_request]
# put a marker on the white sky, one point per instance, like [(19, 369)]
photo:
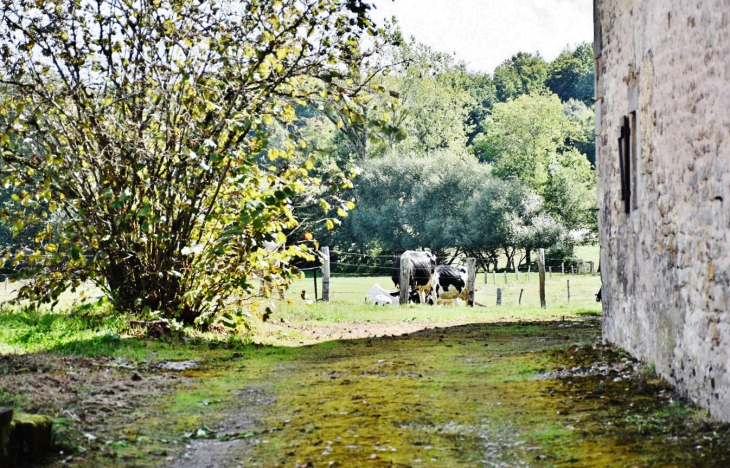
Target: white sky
[(484, 33)]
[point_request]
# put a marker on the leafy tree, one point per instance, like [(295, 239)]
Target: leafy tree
[(584, 117), (572, 74), (506, 215), (145, 124), (480, 87), (432, 109), (524, 136), (413, 202), (522, 74), (570, 195)]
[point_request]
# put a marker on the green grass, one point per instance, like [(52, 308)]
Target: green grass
[(347, 300), (99, 331), (78, 331)]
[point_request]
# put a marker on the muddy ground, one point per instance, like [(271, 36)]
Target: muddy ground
[(482, 395)]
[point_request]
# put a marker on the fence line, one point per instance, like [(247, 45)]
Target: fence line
[(327, 266)]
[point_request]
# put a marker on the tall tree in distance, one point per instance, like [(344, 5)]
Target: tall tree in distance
[(572, 74), (145, 125), (523, 137), (524, 73)]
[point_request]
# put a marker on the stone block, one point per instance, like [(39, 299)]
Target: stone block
[(32, 435), (6, 418), (23, 437)]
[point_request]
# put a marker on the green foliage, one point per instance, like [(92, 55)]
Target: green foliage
[(507, 215), (524, 136), (448, 202), (412, 202), (572, 74), (522, 74), (570, 194), (532, 139), (584, 116), (482, 90), (433, 107), (145, 126), (408, 99)]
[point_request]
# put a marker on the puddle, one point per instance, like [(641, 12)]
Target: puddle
[(180, 366)]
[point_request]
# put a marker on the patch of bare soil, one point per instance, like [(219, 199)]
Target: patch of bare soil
[(243, 418), (359, 330), (92, 399)]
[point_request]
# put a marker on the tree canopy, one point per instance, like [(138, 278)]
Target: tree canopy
[(571, 75), (524, 136), (522, 74), (415, 191), (145, 126)]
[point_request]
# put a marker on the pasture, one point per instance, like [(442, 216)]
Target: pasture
[(347, 299)]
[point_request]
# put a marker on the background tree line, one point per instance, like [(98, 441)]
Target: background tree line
[(461, 162)]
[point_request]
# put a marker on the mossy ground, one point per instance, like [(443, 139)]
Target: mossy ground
[(544, 394)]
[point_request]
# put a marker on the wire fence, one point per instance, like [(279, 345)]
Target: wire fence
[(351, 275)]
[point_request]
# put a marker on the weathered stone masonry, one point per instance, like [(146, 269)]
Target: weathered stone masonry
[(665, 264)]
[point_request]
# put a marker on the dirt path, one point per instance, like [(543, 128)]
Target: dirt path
[(487, 395)]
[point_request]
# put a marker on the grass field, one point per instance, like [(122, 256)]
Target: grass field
[(347, 300)]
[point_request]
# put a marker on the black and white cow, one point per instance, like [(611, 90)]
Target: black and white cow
[(424, 264), (448, 283)]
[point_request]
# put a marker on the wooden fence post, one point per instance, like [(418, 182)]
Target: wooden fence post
[(315, 284), (592, 263), (505, 276), (562, 269), (528, 272), (471, 268), (494, 276), (568, 290), (405, 275), (519, 302), (551, 271), (326, 274), (541, 271), (517, 272), (499, 296), (572, 271)]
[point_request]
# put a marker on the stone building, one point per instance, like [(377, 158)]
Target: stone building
[(663, 162)]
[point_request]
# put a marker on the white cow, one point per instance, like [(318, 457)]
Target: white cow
[(381, 296)]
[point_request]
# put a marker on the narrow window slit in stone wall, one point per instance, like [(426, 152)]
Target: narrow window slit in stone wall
[(624, 151), (634, 152)]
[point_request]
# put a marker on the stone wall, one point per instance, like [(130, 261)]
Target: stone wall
[(665, 263)]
